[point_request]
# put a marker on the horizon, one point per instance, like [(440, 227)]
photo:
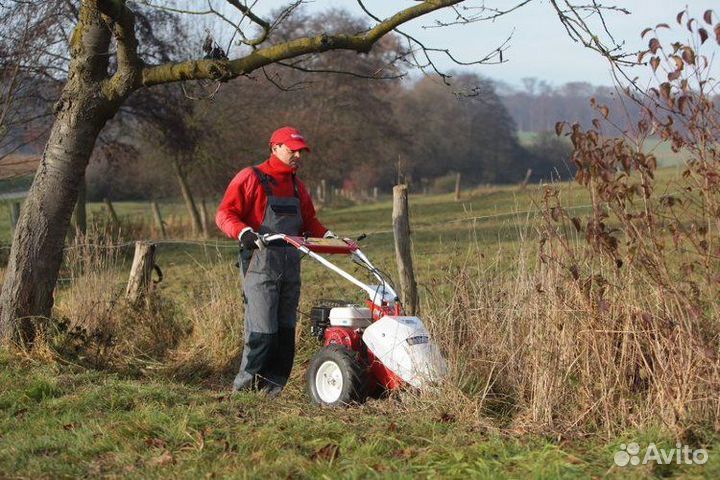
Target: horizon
[(535, 30)]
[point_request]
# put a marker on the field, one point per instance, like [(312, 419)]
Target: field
[(666, 157), (154, 403)]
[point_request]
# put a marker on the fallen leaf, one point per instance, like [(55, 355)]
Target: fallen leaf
[(404, 453), (329, 453), (447, 418), (20, 413), (162, 459), (155, 443)]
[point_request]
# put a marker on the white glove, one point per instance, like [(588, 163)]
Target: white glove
[(329, 234)]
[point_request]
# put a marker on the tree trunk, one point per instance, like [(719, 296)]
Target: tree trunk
[(80, 210), (457, 187), (37, 248), (204, 219), (158, 219), (187, 196), (112, 214)]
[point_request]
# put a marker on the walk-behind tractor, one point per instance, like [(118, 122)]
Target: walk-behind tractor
[(366, 349)]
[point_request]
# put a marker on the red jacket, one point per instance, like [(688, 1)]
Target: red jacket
[(244, 202)]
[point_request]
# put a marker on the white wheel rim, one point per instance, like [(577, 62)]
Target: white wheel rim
[(329, 382)]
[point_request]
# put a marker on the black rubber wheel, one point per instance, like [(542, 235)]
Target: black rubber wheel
[(337, 377)]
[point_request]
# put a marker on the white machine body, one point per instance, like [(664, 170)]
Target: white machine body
[(404, 346), (350, 316)]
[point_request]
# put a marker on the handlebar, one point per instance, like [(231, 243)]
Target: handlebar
[(267, 238), (313, 246), (344, 246)]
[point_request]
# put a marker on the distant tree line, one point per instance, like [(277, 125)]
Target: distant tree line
[(368, 124), (538, 105), (365, 128)]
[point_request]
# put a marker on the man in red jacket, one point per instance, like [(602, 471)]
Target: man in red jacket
[(269, 198)]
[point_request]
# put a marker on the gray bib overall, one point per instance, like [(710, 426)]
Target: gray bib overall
[(272, 289)]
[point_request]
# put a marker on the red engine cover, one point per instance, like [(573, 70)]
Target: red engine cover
[(348, 337)]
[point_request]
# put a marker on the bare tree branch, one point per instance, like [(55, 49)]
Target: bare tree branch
[(225, 70), (247, 12)]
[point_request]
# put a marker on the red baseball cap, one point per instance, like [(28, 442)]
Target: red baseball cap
[(289, 136)]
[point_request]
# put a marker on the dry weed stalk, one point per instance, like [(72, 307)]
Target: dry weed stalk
[(646, 348), (214, 314), (617, 325), (96, 323)]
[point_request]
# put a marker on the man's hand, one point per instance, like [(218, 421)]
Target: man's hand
[(329, 234), (249, 240)]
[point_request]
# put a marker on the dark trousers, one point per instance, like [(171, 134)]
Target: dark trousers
[(272, 290)]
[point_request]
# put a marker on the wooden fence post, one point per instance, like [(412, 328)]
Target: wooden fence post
[(111, 212), (375, 193), (141, 272), (323, 191), (158, 219), (457, 187), (403, 249)]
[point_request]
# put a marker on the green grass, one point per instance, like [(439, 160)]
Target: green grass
[(64, 422), (58, 420)]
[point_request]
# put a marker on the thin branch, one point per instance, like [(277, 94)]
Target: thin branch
[(247, 12), (374, 76), (462, 19), (225, 70), (292, 88)]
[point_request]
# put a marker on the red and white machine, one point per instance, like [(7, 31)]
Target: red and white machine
[(365, 348)]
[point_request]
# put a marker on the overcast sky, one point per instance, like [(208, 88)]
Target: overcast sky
[(539, 46)]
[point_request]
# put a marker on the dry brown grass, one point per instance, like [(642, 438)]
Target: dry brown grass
[(95, 322), (530, 348), (552, 354)]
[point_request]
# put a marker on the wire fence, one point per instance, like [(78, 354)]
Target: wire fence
[(227, 244)]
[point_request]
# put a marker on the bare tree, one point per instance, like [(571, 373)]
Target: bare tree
[(107, 65), (31, 69)]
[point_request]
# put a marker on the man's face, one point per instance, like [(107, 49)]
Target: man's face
[(287, 156)]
